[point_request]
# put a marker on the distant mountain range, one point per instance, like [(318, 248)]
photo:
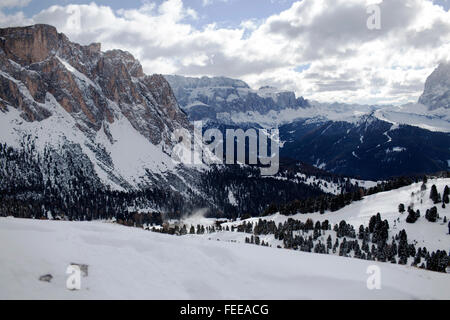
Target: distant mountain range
[(372, 142), (217, 98)]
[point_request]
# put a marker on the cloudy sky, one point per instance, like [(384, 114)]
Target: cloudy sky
[(321, 49)]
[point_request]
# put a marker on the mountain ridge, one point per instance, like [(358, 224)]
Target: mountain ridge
[(212, 97), (111, 76), (368, 141)]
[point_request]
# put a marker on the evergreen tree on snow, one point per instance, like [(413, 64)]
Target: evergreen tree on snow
[(434, 194)]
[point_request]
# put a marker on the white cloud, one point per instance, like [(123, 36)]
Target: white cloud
[(347, 61), (14, 20), (14, 3), (206, 3)]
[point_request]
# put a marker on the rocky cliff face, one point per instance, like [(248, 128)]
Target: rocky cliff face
[(211, 98), (437, 88), (93, 86), (61, 96)]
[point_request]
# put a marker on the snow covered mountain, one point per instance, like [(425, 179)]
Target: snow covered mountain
[(232, 101), (366, 147), (77, 123), (55, 94), (220, 97), (85, 134), (374, 142), (370, 141), (369, 148), (437, 88)]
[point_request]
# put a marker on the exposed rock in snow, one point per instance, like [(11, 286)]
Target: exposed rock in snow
[(46, 278)]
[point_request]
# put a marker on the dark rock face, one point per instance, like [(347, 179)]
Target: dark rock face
[(437, 88), (90, 84), (207, 98)]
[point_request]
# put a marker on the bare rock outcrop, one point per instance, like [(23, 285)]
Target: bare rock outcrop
[(93, 86)]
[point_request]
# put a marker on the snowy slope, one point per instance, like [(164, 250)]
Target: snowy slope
[(326, 186), (134, 264), (416, 115), (131, 154), (318, 112), (434, 236)]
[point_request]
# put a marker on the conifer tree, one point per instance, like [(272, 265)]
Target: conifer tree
[(432, 214), (446, 195), (412, 216), (434, 194)]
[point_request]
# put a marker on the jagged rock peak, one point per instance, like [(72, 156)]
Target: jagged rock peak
[(437, 88), (36, 43), (27, 45), (93, 86)]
